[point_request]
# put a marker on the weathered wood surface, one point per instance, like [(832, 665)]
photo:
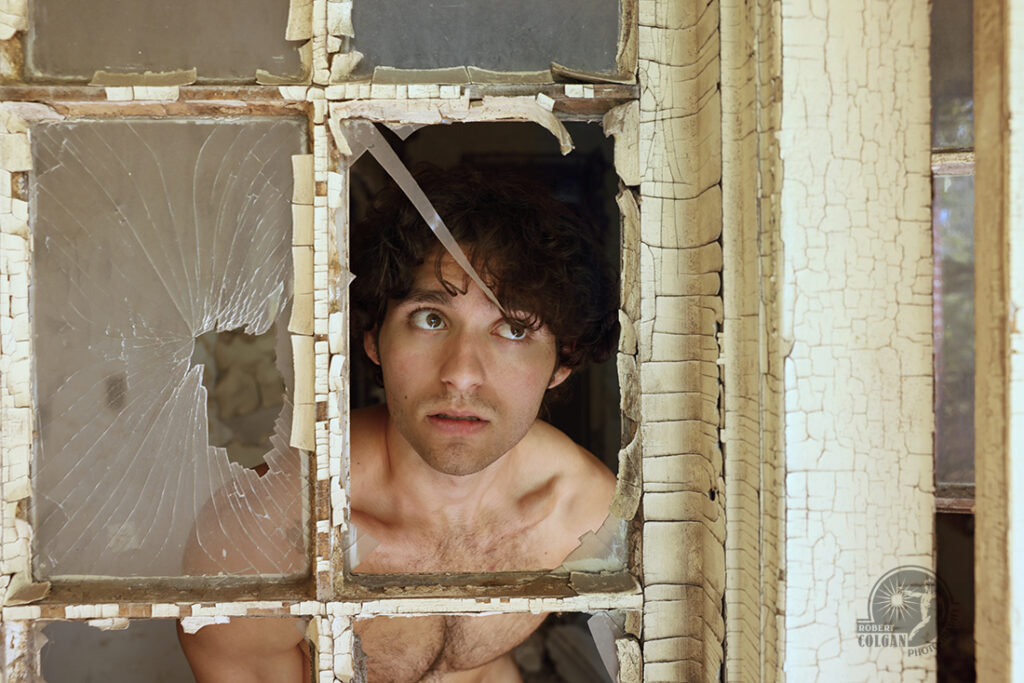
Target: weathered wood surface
[(752, 353), (680, 161), (999, 339)]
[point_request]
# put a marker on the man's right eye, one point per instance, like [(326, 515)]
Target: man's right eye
[(427, 319)]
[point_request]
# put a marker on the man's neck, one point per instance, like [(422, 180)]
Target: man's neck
[(436, 496)]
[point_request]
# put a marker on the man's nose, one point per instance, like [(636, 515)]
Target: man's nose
[(463, 367)]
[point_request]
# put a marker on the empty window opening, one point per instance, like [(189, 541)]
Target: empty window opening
[(587, 409), (457, 372)]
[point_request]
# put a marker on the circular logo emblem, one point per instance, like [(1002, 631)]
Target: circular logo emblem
[(908, 607)]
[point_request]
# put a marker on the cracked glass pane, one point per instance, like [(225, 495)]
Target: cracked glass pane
[(72, 40), (490, 34), (148, 236)]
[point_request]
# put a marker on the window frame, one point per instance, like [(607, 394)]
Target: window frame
[(331, 606)]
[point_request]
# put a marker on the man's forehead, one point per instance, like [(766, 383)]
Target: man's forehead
[(427, 295), (427, 288), (450, 272), (440, 277)]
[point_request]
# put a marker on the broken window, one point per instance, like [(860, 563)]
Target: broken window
[(185, 337), (149, 236), (589, 413), (587, 407)]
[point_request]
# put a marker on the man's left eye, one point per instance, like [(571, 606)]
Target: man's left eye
[(512, 331), (427, 319)]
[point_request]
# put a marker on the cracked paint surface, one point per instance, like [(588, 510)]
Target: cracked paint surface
[(857, 317), (752, 354), (680, 311)]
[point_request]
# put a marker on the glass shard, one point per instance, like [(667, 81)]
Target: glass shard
[(223, 41), (490, 34), (147, 235)]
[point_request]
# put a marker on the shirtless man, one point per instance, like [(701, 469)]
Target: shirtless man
[(456, 473)]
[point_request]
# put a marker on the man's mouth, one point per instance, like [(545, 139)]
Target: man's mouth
[(467, 418)]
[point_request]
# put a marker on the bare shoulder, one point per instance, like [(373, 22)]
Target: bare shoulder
[(584, 485)]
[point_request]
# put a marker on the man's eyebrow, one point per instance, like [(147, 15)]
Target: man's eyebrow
[(427, 296)]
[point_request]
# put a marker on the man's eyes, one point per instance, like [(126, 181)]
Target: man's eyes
[(430, 319), (427, 319)]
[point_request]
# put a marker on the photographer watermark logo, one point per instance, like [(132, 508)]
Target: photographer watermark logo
[(907, 608)]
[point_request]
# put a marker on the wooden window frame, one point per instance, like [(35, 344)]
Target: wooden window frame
[(672, 316)]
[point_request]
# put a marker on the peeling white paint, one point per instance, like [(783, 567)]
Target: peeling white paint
[(856, 228), (679, 166)]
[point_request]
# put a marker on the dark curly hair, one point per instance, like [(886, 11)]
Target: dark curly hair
[(534, 252)]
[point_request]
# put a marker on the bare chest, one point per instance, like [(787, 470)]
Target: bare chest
[(482, 546), (431, 648)]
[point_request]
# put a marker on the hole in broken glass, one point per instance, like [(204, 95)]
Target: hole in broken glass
[(244, 391)]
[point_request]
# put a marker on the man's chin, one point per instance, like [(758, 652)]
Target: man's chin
[(456, 466)]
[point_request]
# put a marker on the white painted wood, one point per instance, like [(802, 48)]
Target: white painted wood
[(857, 316)]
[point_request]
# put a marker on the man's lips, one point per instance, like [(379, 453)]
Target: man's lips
[(454, 422)]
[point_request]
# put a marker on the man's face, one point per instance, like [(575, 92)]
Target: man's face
[(463, 386)]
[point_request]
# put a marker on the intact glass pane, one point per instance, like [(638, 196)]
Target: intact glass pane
[(526, 35), (953, 234), (952, 78), (148, 650), (148, 236), (225, 40)]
